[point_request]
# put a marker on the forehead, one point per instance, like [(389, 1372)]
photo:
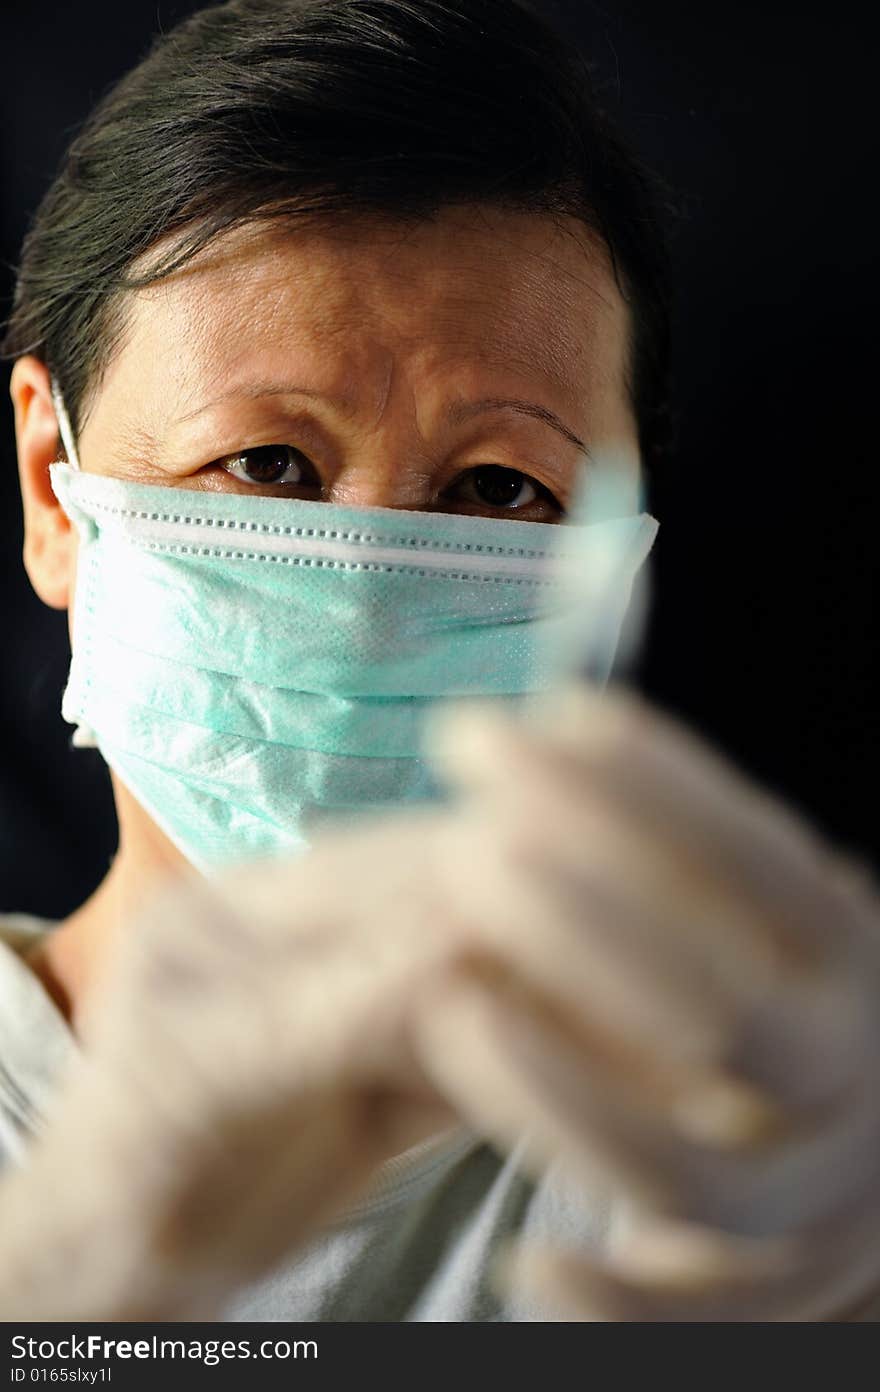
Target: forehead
[(467, 292)]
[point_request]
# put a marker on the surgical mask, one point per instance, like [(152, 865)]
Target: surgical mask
[(254, 667)]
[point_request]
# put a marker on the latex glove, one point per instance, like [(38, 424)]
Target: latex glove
[(245, 1068), (687, 1002)]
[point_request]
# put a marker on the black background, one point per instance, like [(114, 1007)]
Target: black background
[(763, 634)]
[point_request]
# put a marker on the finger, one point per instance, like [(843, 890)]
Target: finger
[(704, 1150), (674, 968), (662, 778), (222, 962), (577, 1111), (675, 1274), (667, 1271), (577, 1289)]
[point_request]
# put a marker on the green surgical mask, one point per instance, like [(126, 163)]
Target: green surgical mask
[(251, 667)]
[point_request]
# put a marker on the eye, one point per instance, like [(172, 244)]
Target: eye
[(491, 485), (267, 464)]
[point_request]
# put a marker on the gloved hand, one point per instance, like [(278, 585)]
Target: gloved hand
[(246, 1066), (678, 989), (614, 945)]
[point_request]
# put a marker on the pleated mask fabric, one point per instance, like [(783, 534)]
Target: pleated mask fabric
[(251, 667)]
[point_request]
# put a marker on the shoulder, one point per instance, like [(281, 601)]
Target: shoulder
[(19, 931), (35, 1040)]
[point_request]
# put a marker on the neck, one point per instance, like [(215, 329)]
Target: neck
[(69, 960)]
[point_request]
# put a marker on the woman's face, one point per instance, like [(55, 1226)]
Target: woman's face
[(470, 363)]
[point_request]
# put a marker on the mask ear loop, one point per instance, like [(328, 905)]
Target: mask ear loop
[(83, 736), (64, 429)]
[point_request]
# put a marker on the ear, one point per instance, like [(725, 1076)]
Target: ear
[(50, 542)]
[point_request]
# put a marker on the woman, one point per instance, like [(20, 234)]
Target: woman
[(331, 306)]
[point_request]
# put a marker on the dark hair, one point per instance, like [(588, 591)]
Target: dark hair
[(302, 107)]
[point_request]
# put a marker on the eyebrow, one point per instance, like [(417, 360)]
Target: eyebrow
[(457, 413), (464, 410)]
